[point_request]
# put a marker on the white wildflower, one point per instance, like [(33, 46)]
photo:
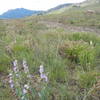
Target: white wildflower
[(42, 75), (10, 74), (91, 43), (24, 91), (15, 63), (26, 70), (41, 70), (24, 63), (12, 85), (26, 86), (17, 75), (10, 78), (11, 82), (15, 69)]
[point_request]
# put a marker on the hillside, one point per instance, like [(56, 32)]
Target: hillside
[(84, 14), (22, 12), (54, 56), (18, 13), (59, 7)]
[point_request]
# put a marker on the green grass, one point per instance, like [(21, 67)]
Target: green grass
[(5, 91), (44, 49), (29, 39), (76, 16)]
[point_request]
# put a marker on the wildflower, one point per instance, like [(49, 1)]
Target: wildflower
[(11, 82), (24, 91), (17, 75), (41, 70), (15, 63), (43, 76), (15, 67), (26, 86), (10, 74), (26, 70), (12, 85), (91, 43), (16, 70), (24, 63)]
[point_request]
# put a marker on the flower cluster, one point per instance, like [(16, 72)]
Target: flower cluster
[(25, 66), (15, 67), (42, 74), (20, 79), (26, 87), (26, 69), (14, 72), (16, 78), (11, 81)]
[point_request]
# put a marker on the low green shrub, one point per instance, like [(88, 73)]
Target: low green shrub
[(5, 62), (79, 52), (87, 79), (58, 71)]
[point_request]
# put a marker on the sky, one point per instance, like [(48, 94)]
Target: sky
[(32, 4)]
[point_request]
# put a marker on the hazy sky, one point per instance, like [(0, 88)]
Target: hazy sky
[(32, 4)]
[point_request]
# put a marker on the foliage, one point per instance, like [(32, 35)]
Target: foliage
[(87, 79), (66, 43), (79, 52)]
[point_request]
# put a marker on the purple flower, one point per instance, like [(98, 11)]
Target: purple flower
[(43, 76), (11, 82), (12, 85)]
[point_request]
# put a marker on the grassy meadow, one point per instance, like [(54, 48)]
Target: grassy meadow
[(67, 44)]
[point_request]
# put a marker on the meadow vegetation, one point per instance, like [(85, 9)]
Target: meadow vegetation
[(71, 59)]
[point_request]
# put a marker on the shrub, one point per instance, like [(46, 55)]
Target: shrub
[(87, 79), (72, 22), (79, 52), (4, 63), (58, 70)]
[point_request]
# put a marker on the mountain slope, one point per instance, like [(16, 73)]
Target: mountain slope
[(18, 13), (59, 7), (21, 12)]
